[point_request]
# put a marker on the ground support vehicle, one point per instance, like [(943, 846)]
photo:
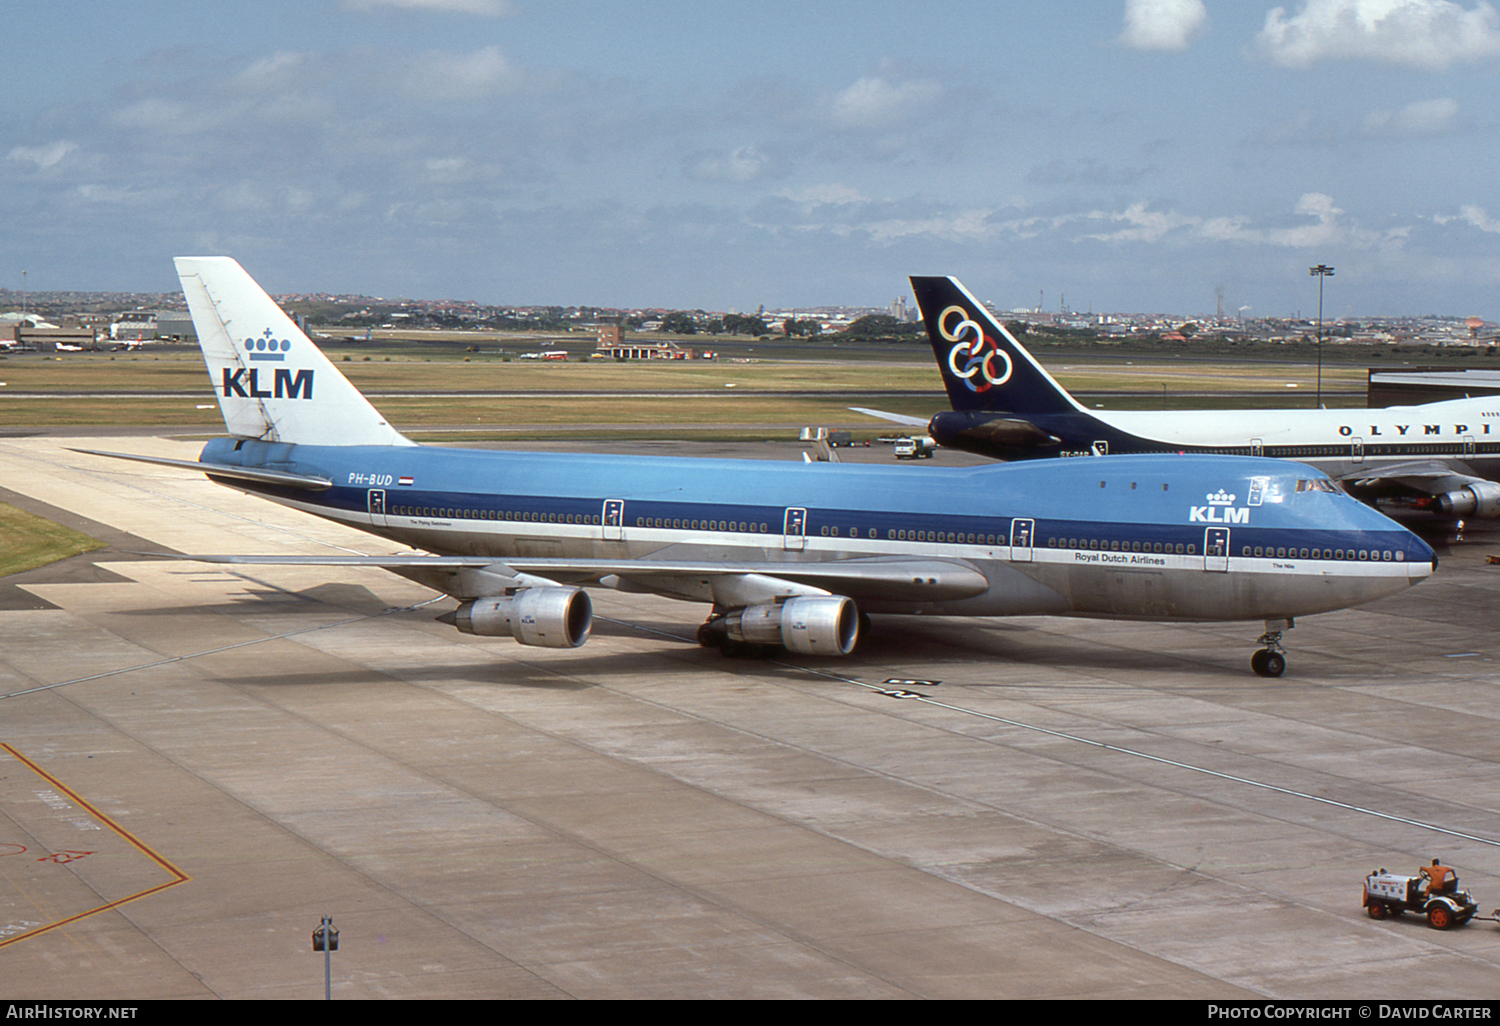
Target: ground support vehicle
[(914, 448), (1391, 894)]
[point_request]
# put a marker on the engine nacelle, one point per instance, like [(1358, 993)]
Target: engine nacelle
[(548, 617), (811, 625), (1480, 499)]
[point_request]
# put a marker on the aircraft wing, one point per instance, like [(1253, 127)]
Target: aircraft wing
[(869, 578), (895, 418), (1433, 476)]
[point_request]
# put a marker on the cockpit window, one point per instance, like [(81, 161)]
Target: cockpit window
[(1316, 484)]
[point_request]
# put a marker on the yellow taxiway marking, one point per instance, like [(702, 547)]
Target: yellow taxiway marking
[(176, 875)]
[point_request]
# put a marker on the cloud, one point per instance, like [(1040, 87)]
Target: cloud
[(43, 156), (820, 195), (874, 103), (1422, 118), (271, 71), (1162, 24), (449, 76), (1424, 34), (1473, 215), (486, 8), (1140, 223), (744, 164)]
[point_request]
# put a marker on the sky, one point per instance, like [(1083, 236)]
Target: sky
[(1106, 155)]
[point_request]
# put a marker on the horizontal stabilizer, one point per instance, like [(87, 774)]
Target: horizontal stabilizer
[(894, 418), (276, 477)]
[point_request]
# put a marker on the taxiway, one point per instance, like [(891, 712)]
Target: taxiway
[(200, 761)]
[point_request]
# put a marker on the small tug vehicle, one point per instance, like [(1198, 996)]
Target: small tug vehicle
[(1444, 905)]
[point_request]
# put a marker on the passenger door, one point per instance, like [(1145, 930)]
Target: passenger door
[(794, 530), (1216, 549), (1021, 541), (613, 519)]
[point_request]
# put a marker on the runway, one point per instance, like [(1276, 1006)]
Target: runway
[(200, 762)]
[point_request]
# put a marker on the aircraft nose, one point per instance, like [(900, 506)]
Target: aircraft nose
[(1420, 559)]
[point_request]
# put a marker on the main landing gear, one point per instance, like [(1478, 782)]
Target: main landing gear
[(1270, 661)]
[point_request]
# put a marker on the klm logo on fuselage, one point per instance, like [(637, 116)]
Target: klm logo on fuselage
[(285, 384), (1220, 510)]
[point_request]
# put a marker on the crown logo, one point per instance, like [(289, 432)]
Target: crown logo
[(1220, 498), (267, 343)]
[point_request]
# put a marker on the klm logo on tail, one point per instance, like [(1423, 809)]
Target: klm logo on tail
[(975, 350), (284, 385)]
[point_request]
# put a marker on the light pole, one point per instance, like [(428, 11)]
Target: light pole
[(326, 939), (1321, 271)]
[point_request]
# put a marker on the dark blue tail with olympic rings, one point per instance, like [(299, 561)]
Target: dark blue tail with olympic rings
[(984, 368)]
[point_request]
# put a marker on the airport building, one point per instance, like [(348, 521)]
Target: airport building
[(612, 344), (32, 332)]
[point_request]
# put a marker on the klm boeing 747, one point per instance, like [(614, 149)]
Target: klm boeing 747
[(1440, 457), (786, 555)]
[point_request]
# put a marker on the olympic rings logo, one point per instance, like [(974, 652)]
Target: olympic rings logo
[(978, 352)]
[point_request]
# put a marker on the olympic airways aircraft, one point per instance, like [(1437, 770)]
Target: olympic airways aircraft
[(785, 554), (1440, 457)]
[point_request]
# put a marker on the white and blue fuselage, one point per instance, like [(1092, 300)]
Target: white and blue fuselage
[(1131, 537)]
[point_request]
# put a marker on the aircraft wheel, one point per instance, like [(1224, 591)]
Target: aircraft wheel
[(708, 637), (1266, 663)]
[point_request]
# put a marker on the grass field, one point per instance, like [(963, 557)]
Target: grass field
[(28, 541), (631, 400), (83, 389)]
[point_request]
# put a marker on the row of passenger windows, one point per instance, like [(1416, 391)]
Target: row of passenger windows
[(700, 525), (1367, 554), (952, 537), (1166, 548), (449, 513)]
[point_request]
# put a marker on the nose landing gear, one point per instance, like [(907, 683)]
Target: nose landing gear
[(1270, 661)]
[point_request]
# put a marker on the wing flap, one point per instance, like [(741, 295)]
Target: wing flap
[(892, 579), (1433, 477)]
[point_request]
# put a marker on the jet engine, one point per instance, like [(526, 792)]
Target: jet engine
[(548, 617), (811, 625), (1479, 499)]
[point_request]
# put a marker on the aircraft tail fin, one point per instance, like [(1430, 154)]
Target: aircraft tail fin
[(271, 382), (983, 366)]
